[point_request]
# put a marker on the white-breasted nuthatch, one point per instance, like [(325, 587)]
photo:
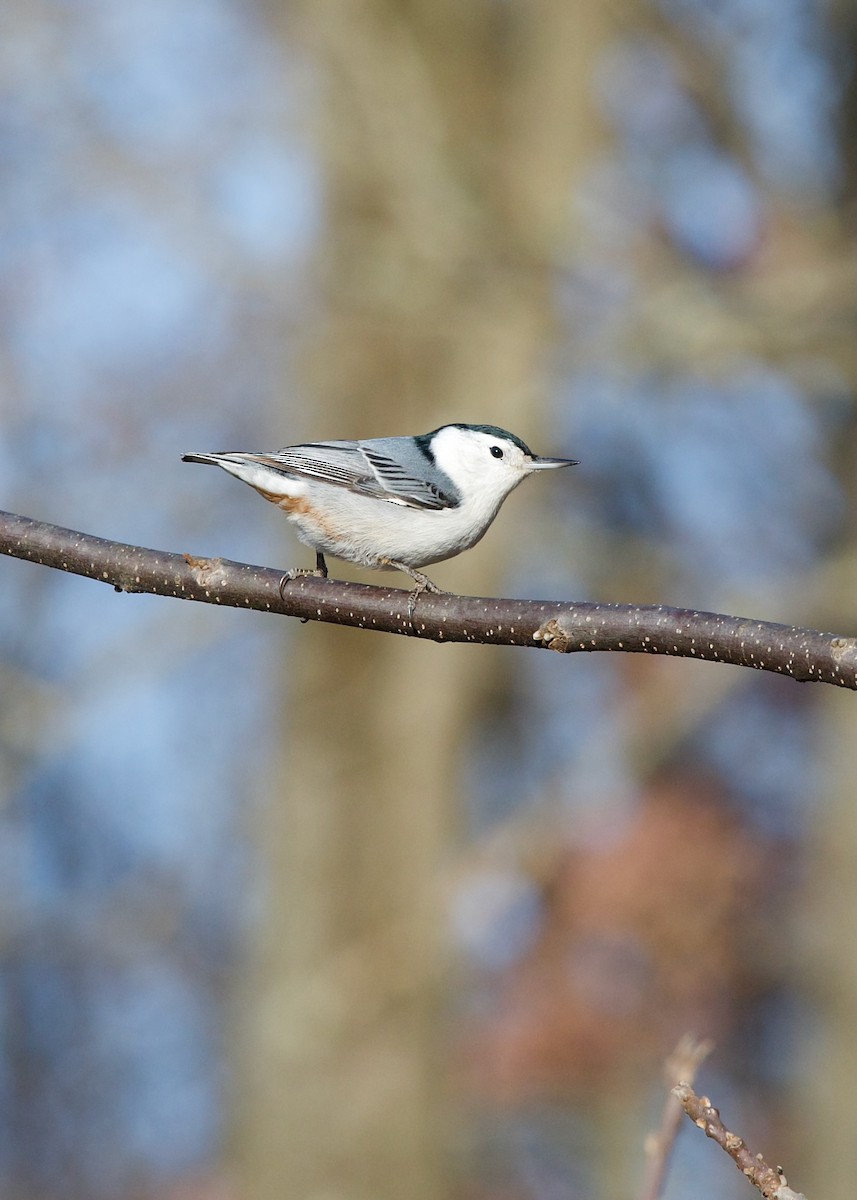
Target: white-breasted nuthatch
[(390, 503)]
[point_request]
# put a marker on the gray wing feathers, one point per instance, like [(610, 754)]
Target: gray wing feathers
[(340, 463), (405, 473), (379, 469)]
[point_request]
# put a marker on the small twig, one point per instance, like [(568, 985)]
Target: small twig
[(770, 1181), (682, 1065)]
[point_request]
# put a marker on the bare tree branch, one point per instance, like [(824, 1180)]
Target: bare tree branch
[(803, 654), (681, 1066), (770, 1181)]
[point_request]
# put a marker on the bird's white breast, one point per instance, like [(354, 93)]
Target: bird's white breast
[(365, 530)]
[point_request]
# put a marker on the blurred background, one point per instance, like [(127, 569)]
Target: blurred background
[(296, 911)]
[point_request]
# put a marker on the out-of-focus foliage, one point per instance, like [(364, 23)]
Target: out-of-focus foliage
[(706, 381), (636, 831), (156, 196)]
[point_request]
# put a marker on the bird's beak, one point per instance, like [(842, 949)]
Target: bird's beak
[(543, 464)]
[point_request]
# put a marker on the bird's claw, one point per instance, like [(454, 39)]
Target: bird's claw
[(299, 573), (423, 584)]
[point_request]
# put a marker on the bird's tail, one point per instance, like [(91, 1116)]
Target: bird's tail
[(252, 469), (202, 458)]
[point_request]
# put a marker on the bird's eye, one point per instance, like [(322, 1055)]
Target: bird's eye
[(497, 451)]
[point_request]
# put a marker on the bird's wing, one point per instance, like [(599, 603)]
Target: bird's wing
[(363, 468), (426, 489)]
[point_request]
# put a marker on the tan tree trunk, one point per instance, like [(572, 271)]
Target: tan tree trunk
[(449, 141)]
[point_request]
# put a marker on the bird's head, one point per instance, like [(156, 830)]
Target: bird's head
[(485, 463)]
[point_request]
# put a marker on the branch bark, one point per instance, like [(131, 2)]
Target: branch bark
[(803, 654), (770, 1181)]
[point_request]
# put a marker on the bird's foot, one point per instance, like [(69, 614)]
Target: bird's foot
[(423, 584), (318, 572)]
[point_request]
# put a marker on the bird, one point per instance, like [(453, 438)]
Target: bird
[(390, 503)]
